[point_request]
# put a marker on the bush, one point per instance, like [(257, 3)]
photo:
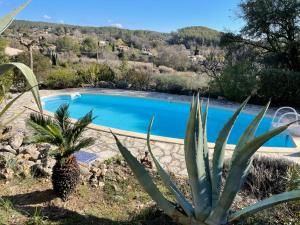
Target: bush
[(62, 78), (67, 44), (266, 176), (170, 83), (280, 85), (137, 79), (238, 81), (94, 73)]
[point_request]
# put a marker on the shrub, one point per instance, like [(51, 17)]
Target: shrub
[(105, 73), (175, 56), (89, 47), (238, 81), (170, 83), (137, 79), (67, 44), (266, 176), (280, 85), (62, 78), (94, 73)]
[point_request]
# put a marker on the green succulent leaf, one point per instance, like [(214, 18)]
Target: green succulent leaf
[(29, 76), (195, 162), (236, 172), (145, 179), (186, 206), (266, 203), (8, 19), (250, 131), (219, 152), (9, 104)]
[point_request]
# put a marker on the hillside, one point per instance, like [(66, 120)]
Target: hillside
[(197, 35)]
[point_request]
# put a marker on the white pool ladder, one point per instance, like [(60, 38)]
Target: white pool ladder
[(288, 114)]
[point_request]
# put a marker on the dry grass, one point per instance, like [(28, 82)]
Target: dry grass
[(120, 201)]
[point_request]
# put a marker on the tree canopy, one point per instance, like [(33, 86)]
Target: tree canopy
[(274, 27)]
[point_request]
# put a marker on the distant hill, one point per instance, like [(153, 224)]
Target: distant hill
[(196, 35), (189, 36)]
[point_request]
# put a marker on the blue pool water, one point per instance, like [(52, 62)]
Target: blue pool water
[(134, 114)]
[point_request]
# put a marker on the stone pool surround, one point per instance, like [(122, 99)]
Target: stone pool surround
[(169, 151)]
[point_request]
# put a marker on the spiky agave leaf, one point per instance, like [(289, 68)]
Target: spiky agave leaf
[(195, 163), (181, 200), (9, 104), (145, 180), (250, 131), (247, 136), (8, 19), (236, 172), (266, 203), (219, 152), (29, 76)]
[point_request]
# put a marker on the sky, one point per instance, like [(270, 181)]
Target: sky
[(156, 15)]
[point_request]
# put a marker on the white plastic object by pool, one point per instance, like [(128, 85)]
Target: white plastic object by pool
[(75, 95), (288, 114)]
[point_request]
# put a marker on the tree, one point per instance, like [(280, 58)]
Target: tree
[(29, 45), (273, 26), (174, 56), (213, 66), (89, 47), (67, 44)]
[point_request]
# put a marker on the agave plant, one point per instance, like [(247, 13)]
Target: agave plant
[(211, 204), (25, 70), (67, 137)]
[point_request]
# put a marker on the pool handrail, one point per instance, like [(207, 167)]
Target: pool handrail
[(292, 112)]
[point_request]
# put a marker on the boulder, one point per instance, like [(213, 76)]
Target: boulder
[(7, 148), (7, 155), (30, 150), (6, 174), (16, 140)]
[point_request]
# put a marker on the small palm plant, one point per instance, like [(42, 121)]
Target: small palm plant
[(210, 205), (67, 138)]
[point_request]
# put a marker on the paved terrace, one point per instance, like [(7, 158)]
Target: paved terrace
[(169, 152)]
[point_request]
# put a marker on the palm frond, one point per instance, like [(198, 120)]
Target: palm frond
[(40, 119), (38, 138), (83, 143), (75, 132), (62, 116)]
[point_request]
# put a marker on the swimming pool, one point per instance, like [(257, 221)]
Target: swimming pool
[(133, 114)]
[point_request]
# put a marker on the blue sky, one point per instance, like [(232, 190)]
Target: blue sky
[(158, 15)]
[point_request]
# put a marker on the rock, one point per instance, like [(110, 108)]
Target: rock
[(16, 140), (101, 184), (7, 155), (103, 170), (6, 174), (39, 171), (84, 171), (32, 151), (106, 84), (24, 156), (7, 148)]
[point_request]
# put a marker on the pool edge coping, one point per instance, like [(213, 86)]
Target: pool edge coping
[(229, 147)]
